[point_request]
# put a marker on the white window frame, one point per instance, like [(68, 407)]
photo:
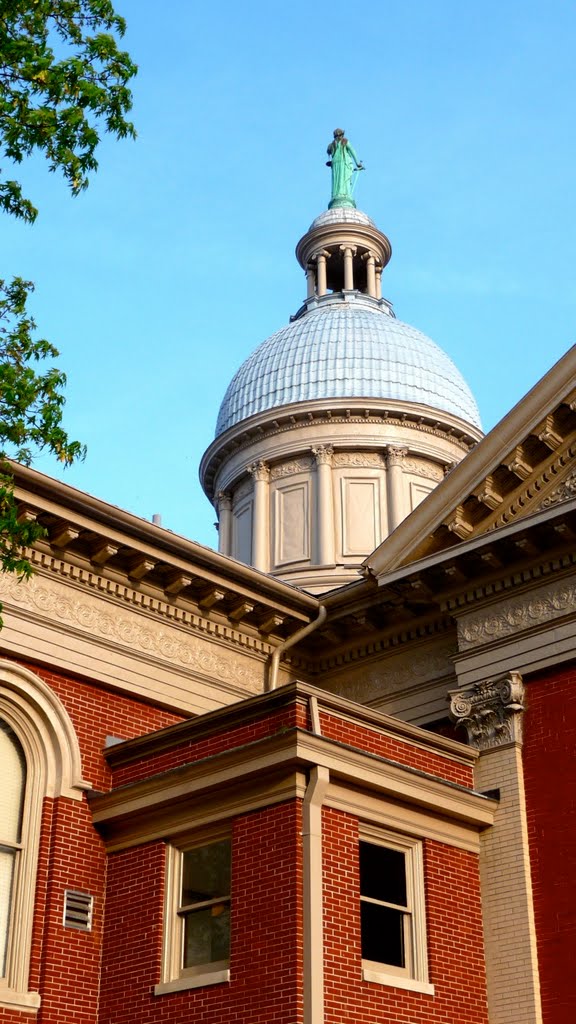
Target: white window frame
[(53, 769), (175, 977), (414, 975)]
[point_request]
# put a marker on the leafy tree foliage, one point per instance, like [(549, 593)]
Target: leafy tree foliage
[(31, 404), (63, 80)]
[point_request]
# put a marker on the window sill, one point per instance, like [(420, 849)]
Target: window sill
[(397, 981), (29, 1002), (192, 981)]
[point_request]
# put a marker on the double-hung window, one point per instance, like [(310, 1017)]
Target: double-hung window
[(392, 911), (197, 926)]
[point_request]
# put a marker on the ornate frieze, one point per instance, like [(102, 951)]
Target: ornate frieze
[(63, 598), (303, 465), (516, 614), (349, 460), (419, 467), (490, 711)]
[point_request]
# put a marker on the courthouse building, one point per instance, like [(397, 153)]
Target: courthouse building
[(325, 774)]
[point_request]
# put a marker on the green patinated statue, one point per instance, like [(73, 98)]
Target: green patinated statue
[(344, 164)]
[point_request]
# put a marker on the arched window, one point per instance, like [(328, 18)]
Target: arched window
[(39, 758), (12, 791)]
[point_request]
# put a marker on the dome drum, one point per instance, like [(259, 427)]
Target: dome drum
[(338, 425)]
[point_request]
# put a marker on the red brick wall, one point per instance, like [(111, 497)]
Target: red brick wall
[(266, 955), (455, 945), (405, 752), (65, 963), (97, 713), (291, 717), (550, 778)]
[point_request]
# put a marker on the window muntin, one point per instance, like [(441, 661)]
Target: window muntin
[(204, 908), (11, 808), (392, 909)]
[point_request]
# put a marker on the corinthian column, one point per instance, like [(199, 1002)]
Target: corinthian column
[(224, 508), (395, 486), (491, 711), (261, 516), (324, 505)]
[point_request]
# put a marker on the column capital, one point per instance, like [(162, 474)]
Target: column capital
[(260, 471), (490, 711), (224, 501), (321, 252), (323, 453), (395, 456), (353, 249)]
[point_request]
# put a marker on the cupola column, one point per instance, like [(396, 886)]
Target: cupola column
[(349, 252), (322, 286), (370, 273), (224, 508), (378, 292), (324, 505), (395, 486), (260, 473), (310, 280)]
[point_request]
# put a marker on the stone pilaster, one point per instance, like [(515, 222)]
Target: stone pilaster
[(224, 508), (395, 486), (491, 712), (260, 473), (324, 505)]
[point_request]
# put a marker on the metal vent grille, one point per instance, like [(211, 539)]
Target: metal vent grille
[(78, 908)]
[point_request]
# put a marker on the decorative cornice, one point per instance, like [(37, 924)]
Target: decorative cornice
[(517, 614), (564, 492), (46, 596), (370, 646), (281, 421), (527, 498), (490, 711)]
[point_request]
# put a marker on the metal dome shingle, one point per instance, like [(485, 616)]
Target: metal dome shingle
[(346, 350)]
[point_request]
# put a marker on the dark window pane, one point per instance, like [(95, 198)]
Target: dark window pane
[(382, 934), (207, 935), (383, 873), (206, 873)]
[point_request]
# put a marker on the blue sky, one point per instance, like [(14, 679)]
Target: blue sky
[(157, 282)]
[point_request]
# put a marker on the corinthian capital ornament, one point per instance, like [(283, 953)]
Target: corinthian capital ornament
[(395, 456), (323, 453), (490, 711), (259, 471)]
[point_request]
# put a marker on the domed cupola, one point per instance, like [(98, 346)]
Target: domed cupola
[(340, 423)]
